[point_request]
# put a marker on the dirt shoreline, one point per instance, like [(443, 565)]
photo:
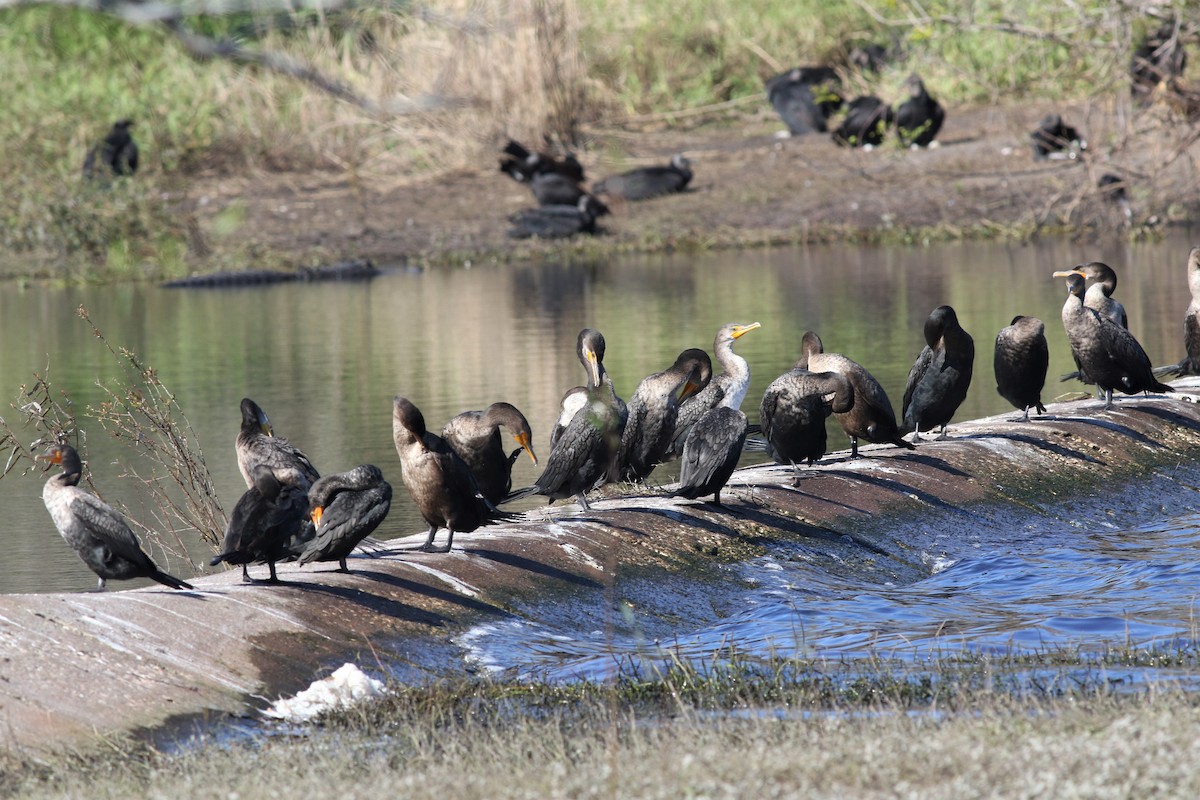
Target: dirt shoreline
[(751, 189)]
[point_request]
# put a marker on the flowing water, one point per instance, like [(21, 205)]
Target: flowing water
[(324, 361)]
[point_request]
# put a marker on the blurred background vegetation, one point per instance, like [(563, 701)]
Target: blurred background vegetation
[(452, 79)]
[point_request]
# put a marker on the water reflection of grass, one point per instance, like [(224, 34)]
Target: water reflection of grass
[(963, 726)]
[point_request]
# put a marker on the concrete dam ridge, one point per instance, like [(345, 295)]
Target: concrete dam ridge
[(76, 665)]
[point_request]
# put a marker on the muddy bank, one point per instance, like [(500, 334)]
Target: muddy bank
[(74, 666)]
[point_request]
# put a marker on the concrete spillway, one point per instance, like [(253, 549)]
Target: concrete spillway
[(73, 665)]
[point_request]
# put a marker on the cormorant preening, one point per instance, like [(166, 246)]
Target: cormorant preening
[(1190, 365), (345, 508), (653, 410), (872, 417), (647, 182), (116, 154), (475, 437), (1021, 359), (1107, 353), (866, 123), (584, 452), (257, 443), (265, 523), (734, 379), (521, 165), (793, 411), (919, 118), (805, 98), (557, 221), (93, 529), (1054, 138), (440, 483), (714, 442), (939, 379)]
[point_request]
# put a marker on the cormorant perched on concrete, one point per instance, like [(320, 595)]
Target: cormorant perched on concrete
[(521, 165), (557, 221), (1054, 138), (920, 117), (793, 411), (647, 182), (257, 443), (475, 437), (345, 508), (734, 379), (805, 98), (1020, 361), (653, 409), (872, 417), (93, 529), (116, 154), (1107, 353), (1190, 365), (264, 525), (939, 379), (866, 122)]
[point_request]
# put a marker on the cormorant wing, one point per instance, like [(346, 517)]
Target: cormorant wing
[(107, 525)]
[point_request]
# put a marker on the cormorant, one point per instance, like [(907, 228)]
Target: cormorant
[(1107, 353), (521, 165), (1190, 365), (1100, 283), (734, 380), (653, 409), (264, 525), (345, 508), (939, 379), (793, 411), (557, 221), (1113, 188), (1021, 359), (475, 437), (920, 117), (805, 98), (872, 417), (257, 443), (1054, 138), (647, 182), (572, 401), (93, 529), (116, 154), (866, 123), (714, 442), (440, 483)]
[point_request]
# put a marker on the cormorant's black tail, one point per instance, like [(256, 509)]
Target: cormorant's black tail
[(170, 580), (519, 494)]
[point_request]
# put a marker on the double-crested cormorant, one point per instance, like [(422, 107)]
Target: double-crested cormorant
[(653, 410), (793, 411), (1190, 365), (1100, 283), (265, 523), (584, 452), (939, 379), (866, 123), (805, 98), (1107, 353), (116, 154), (572, 401), (345, 508), (557, 221), (734, 379), (713, 444), (440, 483), (257, 443), (647, 182), (1021, 359), (93, 529), (475, 437), (872, 417), (1054, 138), (919, 118), (521, 165)]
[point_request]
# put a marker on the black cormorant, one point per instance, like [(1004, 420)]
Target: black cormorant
[(866, 122), (93, 529), (345, 508), (653, 409), (257, 443), (793, 411), (872, 417), (1107, 353), (475, 437), (1054, 138), (734, 379), (265, 523), (647, 182), (116, 154), (572, 401), (1021, 359), (938, 381), (805, 98), (920, 117)]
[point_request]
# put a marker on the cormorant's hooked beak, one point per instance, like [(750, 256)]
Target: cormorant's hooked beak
[(264, 424), (316, 515), (593, 366), (526, 445), (742, 330)]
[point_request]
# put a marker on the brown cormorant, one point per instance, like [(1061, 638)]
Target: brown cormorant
[(653, 409), (939, 379), (793, 411), (1107, 353), (872, 417), (345, 508), (93, 529), (257, 443), (475, 437), (734, 379), (866, 122), (116, 154), (1021, 359), (264, 525), (920, 117), (647, 182)]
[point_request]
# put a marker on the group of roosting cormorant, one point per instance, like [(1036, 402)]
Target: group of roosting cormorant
[(459, 479)]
